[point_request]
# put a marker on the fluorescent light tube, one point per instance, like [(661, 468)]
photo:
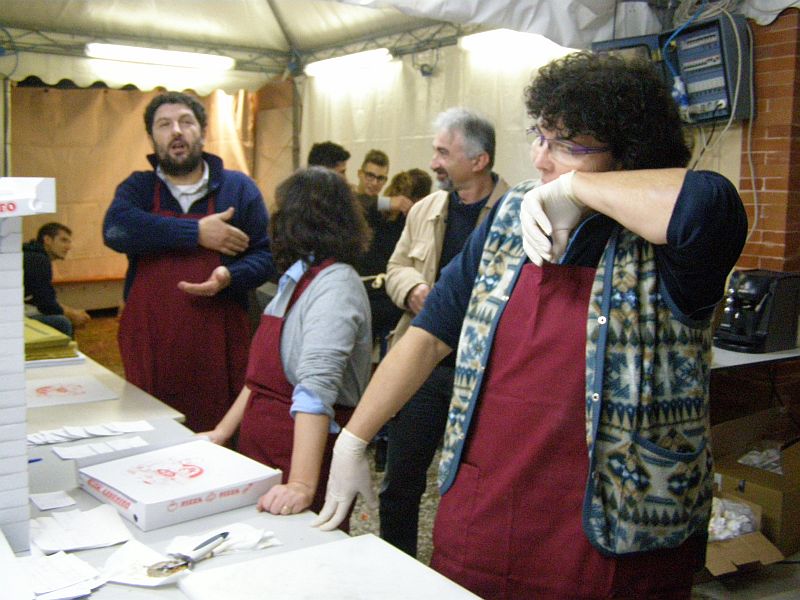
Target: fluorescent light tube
[(155, 56), (349, 62)]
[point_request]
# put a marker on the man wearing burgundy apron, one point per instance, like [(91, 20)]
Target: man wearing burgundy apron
[(576, 461), (196, 238)]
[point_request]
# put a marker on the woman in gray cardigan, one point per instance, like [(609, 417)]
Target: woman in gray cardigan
[(310, 358)]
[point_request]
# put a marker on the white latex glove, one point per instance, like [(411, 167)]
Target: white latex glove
[(548, 214), (350, 475)]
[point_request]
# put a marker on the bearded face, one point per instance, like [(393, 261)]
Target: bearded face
[(180, 157), (177, 139)]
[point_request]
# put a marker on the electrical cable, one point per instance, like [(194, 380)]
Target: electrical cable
[(678, 87), (736, 88), (775, 398), (6, 91), (706, 143), (686, 10), (6, 170), (13, 47), (749, 151), (751, 116), (720, 7)]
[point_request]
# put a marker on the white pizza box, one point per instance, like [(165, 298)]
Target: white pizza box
[(178, 483)]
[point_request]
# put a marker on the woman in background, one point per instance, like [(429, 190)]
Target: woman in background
[(309, 360)]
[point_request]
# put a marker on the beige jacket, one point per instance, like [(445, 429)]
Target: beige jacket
[(416, 256)]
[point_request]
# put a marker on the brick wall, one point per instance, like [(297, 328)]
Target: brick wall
[(775, 242)]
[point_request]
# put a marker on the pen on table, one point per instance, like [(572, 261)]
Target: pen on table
[(33, 460)]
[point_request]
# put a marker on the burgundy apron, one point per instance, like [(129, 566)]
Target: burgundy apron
[(510, 526), (266, 433), (188, 351)]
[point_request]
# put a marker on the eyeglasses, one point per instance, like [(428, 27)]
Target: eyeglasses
[(563, 149), (374, 178)]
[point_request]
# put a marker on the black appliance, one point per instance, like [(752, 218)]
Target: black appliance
[(761, 312)]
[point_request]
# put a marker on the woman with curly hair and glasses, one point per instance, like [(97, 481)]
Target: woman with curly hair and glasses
[(310, 357), (576, 461)]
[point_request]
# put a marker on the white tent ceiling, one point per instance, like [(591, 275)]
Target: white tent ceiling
[(272, 37), (266, 37)]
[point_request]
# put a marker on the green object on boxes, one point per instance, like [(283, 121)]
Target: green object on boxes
[(43, 342), (778, 495)]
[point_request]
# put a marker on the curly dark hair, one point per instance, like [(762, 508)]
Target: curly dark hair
[(174, 98), (317, 218), (624, 104)]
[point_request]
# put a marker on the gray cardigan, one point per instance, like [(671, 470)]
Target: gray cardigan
[(326, 342)]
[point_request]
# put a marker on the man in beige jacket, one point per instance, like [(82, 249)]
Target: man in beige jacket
[(435, 231)]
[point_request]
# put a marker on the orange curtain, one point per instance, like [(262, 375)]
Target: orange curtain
[(92, 139)]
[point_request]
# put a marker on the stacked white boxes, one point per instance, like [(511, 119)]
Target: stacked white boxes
[(19, 196)]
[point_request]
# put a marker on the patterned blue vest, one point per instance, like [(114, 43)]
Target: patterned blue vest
[(647, 375)]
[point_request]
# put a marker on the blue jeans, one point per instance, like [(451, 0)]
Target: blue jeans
[(60, 322), (414, 434)]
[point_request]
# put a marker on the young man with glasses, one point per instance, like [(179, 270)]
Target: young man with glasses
[(372, 176), (387, 225)]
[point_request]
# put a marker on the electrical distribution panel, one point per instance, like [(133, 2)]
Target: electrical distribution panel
[(706, 64)]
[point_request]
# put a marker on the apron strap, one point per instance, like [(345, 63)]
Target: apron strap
[(306, 279), (211, 205)]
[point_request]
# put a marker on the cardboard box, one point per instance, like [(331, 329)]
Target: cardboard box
[(740, 554), (178, 483), (777, 495)]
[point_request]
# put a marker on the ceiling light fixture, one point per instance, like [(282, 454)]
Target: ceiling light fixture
[(512, 47), (350, 62), (505, 39), (174, 58)]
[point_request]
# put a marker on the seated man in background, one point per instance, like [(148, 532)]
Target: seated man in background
[(52, 242)]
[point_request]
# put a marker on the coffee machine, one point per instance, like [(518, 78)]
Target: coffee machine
[(760, 312)]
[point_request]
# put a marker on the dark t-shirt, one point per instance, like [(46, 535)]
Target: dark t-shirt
[(386, 230), (461, 219), (705, 236)]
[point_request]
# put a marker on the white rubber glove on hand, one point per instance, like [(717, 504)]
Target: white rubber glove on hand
[(548, 214), (350, 475)]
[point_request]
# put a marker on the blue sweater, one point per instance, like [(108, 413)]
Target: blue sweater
[(131, 228)]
